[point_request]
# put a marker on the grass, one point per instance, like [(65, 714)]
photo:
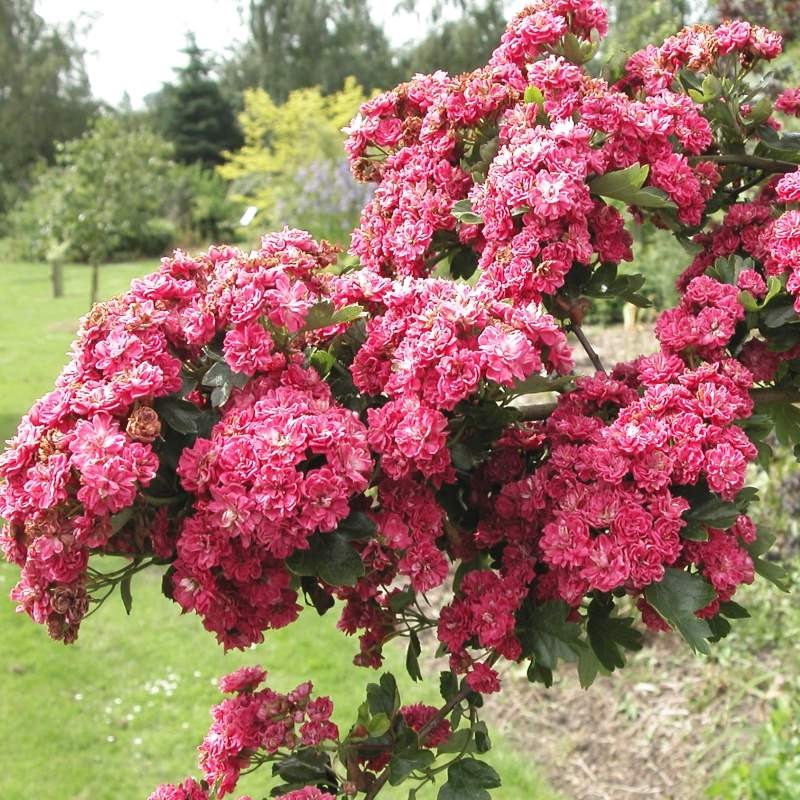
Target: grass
[(124, 708)]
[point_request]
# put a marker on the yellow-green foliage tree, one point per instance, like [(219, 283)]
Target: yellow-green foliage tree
[(284, 144)]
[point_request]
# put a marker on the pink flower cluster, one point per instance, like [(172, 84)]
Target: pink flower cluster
[(528, 185), (260, 720), (789, 102), (81, 456), (72, 481), (705, 321), (604, 507), (282, 463), (433, 344), (697, 48)]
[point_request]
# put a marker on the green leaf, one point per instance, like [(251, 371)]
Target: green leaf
[(306, 766), (324, 314), (621, 184), (651, 197), (464, 263), (533, 94), (694, 532), (462, 457), (539, 674), (178, 414), (733, 610), (534, 384), (588, 667), (383, 697), (221, 394), (779, 312), (330, 556), (786, 421), (714, 513), (469, 779), (378, 725), (543, 631), (412, 657), (403, 599), (357, 526), (764, 540), (774, 573), (407, 761), (610, 636), (448, 685), (462, 211), (676, 597), (125, 592), (220, 373), (458, 741)]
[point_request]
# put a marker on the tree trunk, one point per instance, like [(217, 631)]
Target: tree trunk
[(95, 290), (57, 277)]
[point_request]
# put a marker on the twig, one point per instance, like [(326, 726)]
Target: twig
[(586, 344), (745, 160), (541, 411), (457, 698)]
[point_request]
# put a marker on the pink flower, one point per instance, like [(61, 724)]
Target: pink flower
[(482, 678)]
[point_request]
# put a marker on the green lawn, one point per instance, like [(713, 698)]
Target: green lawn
[(124, 708)]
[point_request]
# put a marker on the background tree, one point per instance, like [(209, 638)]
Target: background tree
[(194, 114), (300, 43), (104, 196), (287, 147), (634, 25), (44, 93), (461, 44)]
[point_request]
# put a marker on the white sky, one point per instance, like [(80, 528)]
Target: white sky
[(133, 46)]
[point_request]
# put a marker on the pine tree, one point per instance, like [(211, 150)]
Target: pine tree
[(194, 114)]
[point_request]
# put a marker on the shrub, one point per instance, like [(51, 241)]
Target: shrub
[(275, 426)]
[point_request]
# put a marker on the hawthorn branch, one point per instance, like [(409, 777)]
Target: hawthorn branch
[(587, 346), (455, 700), (744, 160), (541, 411)]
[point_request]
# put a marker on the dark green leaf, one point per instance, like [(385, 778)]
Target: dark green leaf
[(330, 556), (125, 592), (459, 741), (469, 779), (539, 674), (406, 762), (464, 263), (714, 513), (611, 636), (588, 667), (383, 697), (357, 526), (545, 633), (786, 420), (324, 314), (220, 373), (676, 597), (412, 660), (178, 414), (306, 766), (774, 573), (448, 685), (733, 610)]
